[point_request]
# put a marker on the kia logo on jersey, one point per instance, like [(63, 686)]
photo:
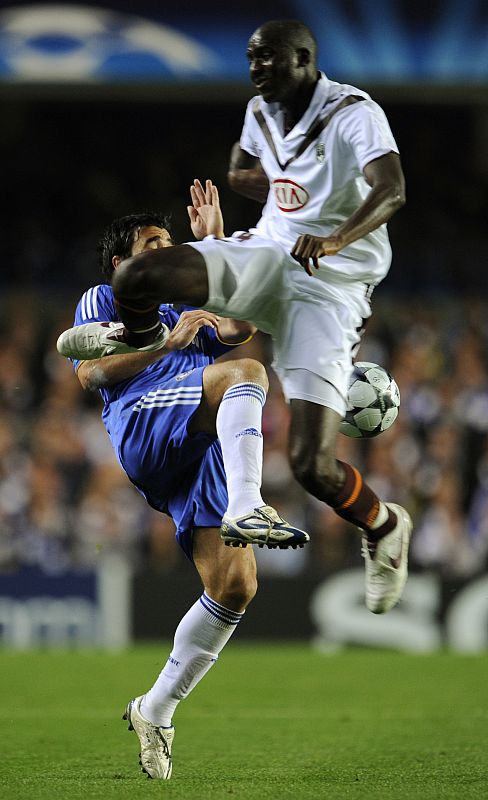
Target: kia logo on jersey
[(289, 195)]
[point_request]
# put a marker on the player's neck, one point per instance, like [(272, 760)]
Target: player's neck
[(296, 107)]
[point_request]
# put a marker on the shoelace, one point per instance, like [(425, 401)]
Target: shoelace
[(368, 548), (262, 514)]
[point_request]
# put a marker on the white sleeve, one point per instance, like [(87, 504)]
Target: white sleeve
[(248, 136), (367, 132)]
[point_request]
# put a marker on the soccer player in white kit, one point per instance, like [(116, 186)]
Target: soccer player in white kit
[(323, 156)]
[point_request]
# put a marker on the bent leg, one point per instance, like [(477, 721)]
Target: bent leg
[(169, 275), (217, 380), (141, 283), (387, 526), (238, 278), (229, 580), (312, 444), (228, 574), (312, 449), (234, 394)]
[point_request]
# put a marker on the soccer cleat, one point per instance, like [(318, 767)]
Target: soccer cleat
[(263, 526), (386, 563), (98, 339), (156, 742)]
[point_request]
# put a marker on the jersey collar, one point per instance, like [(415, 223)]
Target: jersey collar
[(319, 99)]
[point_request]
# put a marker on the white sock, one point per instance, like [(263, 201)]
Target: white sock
[(239, 430), (381, 518), (199, 638)]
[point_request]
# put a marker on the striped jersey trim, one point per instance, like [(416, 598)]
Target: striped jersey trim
[(89, 303), (163, 398), (220, 612), (252, 390)]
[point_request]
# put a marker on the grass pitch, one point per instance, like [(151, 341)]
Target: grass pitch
[(268, 722)]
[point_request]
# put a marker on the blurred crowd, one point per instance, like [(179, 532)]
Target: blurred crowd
[(64, 500)]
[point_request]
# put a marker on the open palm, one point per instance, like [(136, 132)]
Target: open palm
[(205, 214)]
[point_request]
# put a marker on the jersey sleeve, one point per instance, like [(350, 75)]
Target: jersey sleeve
[(367, 132), (95, 305), (248, 140)]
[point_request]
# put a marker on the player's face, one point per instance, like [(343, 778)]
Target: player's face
[(274, 68), (150, 238)]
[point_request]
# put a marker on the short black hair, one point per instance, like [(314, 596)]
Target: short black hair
[(292, 32), (118, 238)]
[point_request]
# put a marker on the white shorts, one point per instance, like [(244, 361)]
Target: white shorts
[(300, 384), (321, 339), (246, 279), (315, 325)]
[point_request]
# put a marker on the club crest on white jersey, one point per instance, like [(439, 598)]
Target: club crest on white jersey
[(289, 196)]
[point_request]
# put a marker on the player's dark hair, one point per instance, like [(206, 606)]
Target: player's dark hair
[(291, 31), (118, 238)]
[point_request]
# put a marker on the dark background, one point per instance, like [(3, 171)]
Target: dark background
[(70, 167)]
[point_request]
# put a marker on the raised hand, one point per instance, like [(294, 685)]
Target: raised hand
[(205, 214)]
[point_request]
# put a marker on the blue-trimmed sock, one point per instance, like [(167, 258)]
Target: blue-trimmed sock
[(201, 635), (239, 430)]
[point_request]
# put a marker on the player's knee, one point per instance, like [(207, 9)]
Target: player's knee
[(248, 370), (318, 473), (143, 276), (240, 591), (236, 590), (130, 278)]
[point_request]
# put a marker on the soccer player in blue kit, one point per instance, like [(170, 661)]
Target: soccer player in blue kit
[(163, 410)]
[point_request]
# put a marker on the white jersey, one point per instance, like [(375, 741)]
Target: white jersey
[(316, 175)]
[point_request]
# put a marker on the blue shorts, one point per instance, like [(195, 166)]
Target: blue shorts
[(178, 474)]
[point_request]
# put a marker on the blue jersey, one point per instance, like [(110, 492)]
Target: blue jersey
[(147, 418), (97, 304)]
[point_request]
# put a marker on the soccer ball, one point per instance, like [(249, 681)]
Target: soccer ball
[(374, 400)]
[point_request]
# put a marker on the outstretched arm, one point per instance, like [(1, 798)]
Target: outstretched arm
[(246, 175), (387, 195), (100, 373)]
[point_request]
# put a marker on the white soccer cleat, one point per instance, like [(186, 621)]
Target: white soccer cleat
[(156, 742), (263, 527), (98, 339), (387, 564)]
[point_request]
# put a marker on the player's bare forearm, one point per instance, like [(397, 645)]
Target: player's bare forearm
[(233, 331), (379, 206), (387, 195), (246, 175), (101, 373), (251, 183), (110, 370)]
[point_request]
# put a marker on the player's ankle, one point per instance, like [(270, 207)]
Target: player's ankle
[(142, 338), (382, 525)]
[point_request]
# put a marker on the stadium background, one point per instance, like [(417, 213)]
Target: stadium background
[(105, 113)]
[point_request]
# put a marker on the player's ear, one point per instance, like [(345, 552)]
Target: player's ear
[(304, 57), (116, 261)]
